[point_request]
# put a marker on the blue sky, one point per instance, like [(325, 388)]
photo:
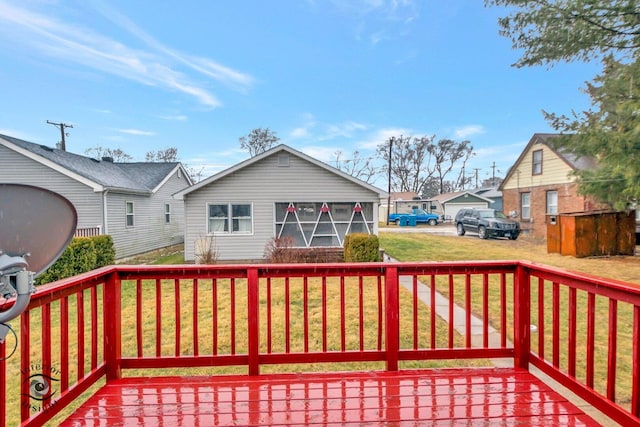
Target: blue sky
[(326, 75)]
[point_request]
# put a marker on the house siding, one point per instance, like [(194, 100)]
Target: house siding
[(554, 170), (555, 176), (18, 169), (149, 231), (263, 184)]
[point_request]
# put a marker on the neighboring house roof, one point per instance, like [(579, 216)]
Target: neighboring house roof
[(139, 177), (490, 192), (450, 197), (268, 153), (404, 195), (576, 163)]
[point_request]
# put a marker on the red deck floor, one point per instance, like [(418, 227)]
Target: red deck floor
[(478, 397)]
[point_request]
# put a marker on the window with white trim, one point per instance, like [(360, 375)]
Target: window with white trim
[(129, 213), (552, 202), (230, 218), (536, 168), (167, 213), (525, 205), (241, 220)]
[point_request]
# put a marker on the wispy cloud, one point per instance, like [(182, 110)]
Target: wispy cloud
[(503, 156), (380, 20), (175, 117), (157, 65), (345, 130), (467, 131), (494, 150), (313, 130), (304, 130), (204, 66), (323, 153), (300, 133), (398, 10), (381, 136), (136, 132)]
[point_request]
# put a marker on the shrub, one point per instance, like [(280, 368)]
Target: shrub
[(279, 250), (361, 247), (206, 251), (105, 252), (83, 254)]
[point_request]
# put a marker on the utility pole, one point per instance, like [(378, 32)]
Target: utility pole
[(493, 175), (389, 192), (62, 127), (476, 169)]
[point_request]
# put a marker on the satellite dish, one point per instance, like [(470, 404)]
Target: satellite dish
[(36, 225), (37, 222)]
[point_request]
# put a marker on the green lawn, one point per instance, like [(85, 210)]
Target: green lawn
[(426, 247), (404, 247), (430, 247)]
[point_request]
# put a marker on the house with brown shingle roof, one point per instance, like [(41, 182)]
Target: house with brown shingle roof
[(540, 183)]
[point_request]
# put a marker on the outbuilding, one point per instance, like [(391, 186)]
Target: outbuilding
[(236, 213), (451, 203)]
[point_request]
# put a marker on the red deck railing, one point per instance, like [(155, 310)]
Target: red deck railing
[(583, 331)]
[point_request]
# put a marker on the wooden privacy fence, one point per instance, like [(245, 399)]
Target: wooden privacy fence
[(80, 331), (586, 234)]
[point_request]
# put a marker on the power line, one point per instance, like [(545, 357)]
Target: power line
[(62, 127)]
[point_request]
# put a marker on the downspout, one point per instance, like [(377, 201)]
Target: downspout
[(105, 228)]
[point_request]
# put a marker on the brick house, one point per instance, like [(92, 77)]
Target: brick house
[(540, 184)]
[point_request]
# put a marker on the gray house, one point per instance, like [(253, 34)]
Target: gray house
[(279, 193), (491, 193), (132, 202), (451, 203)]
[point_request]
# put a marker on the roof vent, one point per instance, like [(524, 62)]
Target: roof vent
[(283, 159), (44, 147), (107, 159)]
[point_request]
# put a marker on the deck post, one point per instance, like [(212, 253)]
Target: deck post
[(112, 326), (522, 317), (392, 323), (253, 334)]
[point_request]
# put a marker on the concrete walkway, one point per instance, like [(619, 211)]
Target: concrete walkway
[(459, 314)]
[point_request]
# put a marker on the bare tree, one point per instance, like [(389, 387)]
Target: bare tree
[(446, 155), (258, 141), (492, 182), (357, 166), (409, 159), (165, 156), (194, 174), (169, 155), (116, 154)]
